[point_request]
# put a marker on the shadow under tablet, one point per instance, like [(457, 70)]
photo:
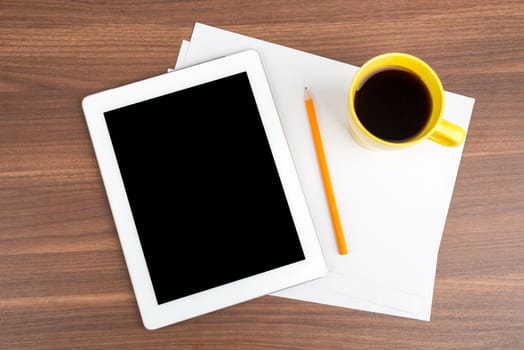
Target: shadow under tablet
[(203, 187)]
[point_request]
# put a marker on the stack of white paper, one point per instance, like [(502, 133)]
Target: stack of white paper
[(393, 205)]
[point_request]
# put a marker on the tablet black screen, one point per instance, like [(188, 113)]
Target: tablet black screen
[(203, 187)]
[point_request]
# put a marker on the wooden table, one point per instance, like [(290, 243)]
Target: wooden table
[(63, 281)]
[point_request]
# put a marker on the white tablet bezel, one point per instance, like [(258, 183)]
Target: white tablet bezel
[(154, 315)]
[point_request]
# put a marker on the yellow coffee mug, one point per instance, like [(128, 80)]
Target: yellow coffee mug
[(435, 128)]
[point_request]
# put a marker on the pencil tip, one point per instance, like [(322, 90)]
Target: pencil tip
[(307, 95)]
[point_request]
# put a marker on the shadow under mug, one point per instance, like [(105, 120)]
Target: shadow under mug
[(435, 129)]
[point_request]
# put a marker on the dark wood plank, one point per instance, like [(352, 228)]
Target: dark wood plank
[(63, 280)]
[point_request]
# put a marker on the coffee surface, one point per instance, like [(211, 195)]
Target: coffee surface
[(393, 104)]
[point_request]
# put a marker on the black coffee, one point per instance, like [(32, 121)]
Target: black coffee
[(393, 104)]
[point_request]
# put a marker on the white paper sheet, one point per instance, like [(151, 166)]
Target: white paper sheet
[(393, 205)]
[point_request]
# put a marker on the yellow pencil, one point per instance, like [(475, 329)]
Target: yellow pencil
[(328, 187)]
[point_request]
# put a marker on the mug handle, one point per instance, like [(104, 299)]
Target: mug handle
[(448, 134)]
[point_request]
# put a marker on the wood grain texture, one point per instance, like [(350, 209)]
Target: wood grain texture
[(63, 281)]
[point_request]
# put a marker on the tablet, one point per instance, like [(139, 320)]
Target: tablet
[(204, 194)]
